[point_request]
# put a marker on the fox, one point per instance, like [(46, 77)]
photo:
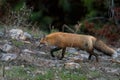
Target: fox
[(62, 40)]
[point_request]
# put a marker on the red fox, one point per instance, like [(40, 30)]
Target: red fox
[(61, 40)]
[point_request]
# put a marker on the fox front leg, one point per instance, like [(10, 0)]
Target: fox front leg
[(53, 50), (63, 53)]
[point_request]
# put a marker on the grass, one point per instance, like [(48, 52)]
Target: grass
[(61, 74), (30, 73), (17, 43), (94, 74), (19, 72)]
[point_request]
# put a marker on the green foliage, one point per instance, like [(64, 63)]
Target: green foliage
[(91, 11), (58, 12), (17, 43), (64, 4), (53, 30), (47, 20), (36, 15), (19, 5), (88, 4), (91, 14), (2, 2)]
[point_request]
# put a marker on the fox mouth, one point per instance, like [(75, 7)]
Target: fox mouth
[(42, 45)]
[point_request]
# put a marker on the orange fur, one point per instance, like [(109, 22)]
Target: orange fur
[(83, 42)]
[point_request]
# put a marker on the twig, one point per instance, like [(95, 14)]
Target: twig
[(65, 26)]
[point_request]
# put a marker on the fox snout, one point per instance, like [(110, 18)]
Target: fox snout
[(42, 45)]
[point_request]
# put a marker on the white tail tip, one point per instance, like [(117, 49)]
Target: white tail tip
[(115, 55)]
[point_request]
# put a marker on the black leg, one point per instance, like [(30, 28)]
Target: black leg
[(53, 50), (89, 58), (92, 53), (63, 53), (96, 57)]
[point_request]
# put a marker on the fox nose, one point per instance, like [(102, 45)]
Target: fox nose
[(38, 45), (41, 45)]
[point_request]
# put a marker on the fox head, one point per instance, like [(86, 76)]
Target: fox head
[(43, 42)]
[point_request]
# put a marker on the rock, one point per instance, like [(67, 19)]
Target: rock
[(16, 34), (19, 34), (7, 47), (27, 51), (112, 70), (27, 57), (118, 51), (71, 50), (72, 65), (8, 56), (1, 34), (84, 56), (39, 53), (27, 35), (1, 51), (76, 59)]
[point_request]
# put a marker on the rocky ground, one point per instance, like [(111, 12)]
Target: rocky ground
[(19, 49)]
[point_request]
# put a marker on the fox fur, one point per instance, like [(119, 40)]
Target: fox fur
[(61, 40)]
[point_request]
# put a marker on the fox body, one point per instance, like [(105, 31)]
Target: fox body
[(61, 40)]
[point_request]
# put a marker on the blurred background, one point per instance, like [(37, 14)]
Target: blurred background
[(24, 22), (94, 17)]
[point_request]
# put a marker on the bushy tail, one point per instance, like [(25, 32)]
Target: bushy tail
[(101, 46)]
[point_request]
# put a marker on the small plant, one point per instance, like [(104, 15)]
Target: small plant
[(17, 43), (52, 29)]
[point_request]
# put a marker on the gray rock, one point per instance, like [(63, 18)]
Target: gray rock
[(7, 47), (1, 34), (72, 65), (71, 50), (8, 56), (118, 51), (16, 33), (19, 34), (27, 51), (27, 35)]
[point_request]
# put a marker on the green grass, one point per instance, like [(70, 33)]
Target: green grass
[(49, 75), (18, 73), (17, 43), (72, 76), (55, 73), (94, 74), (29, 73)]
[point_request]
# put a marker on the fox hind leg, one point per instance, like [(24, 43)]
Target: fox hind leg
[(92, 53)]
